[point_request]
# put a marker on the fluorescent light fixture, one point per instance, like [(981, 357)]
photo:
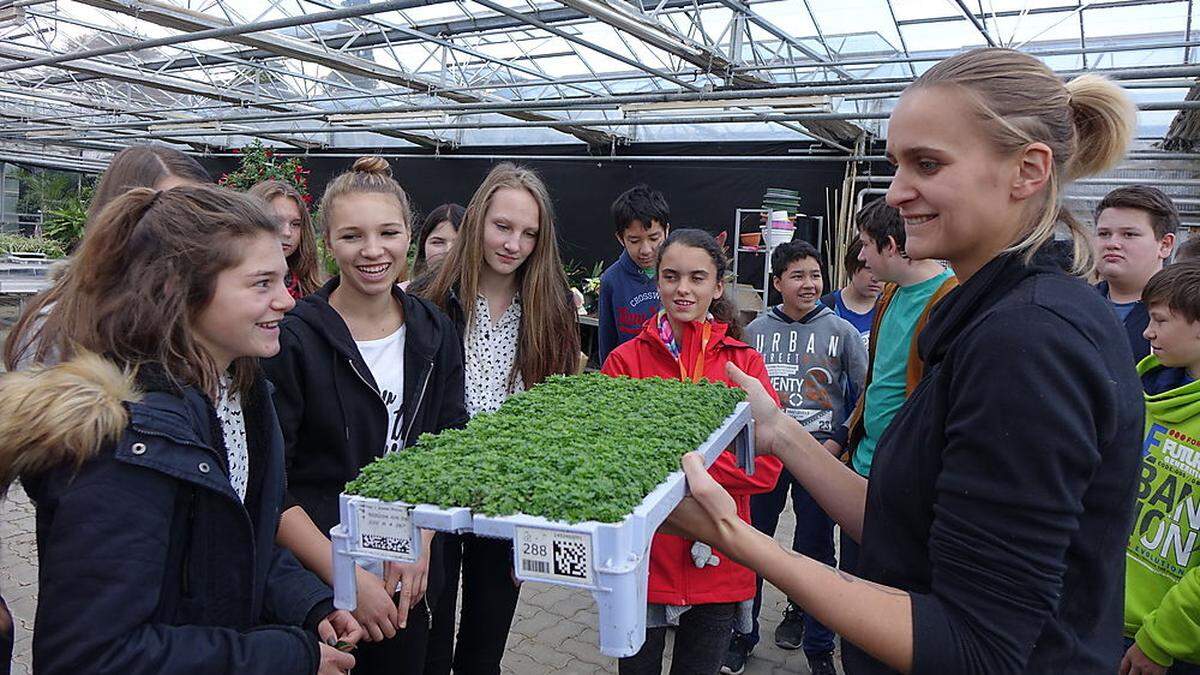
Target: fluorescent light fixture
[(10, 15), (185, 125), (778, 104), (366, 118), (50, 133), (629, 21)]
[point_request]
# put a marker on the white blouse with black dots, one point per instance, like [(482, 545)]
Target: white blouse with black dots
[(490, 355)]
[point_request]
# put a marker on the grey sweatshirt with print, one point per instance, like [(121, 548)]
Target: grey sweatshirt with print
[(811, 362)]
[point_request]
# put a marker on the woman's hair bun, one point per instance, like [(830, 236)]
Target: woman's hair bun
[(372, 164)]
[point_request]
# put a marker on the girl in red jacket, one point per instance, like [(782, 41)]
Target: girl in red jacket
[(693, 587)]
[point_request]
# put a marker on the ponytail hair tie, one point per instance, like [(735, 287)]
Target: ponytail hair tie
[(152, 201)]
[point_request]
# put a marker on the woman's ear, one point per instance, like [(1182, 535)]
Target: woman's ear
[(1036, 165)]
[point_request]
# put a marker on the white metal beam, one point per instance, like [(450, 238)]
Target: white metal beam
[(626, 18), (164, 14)]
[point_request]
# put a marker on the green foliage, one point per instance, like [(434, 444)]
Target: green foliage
[(574, 448), (15, 243), (588, 282), (578, 275), (259, 163), (328, 263), (44, 189), (65, 225)]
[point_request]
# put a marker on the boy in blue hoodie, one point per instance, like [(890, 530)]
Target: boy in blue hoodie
[(628, 294), (813, 357)]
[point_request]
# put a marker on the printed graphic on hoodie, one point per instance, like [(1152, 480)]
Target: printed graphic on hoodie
[(812, 363), (1162, 559), (802, 373), (641, 307), (1166, 535)]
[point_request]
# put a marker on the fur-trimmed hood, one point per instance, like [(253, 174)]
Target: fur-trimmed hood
[(62, 414)]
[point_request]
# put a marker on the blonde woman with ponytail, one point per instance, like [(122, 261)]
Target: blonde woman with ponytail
[(994, 525)]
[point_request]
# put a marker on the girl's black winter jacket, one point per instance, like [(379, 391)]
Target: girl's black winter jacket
[(149, 561)]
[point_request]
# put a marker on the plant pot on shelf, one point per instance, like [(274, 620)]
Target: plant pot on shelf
[(778, 235), (779, 229), (751, 238)]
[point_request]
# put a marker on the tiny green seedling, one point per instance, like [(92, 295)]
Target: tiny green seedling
[(574, 448)]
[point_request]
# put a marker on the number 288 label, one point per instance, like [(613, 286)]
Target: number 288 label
[(554, 555)]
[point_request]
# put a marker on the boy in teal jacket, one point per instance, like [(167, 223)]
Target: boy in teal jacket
[(1162, 561)]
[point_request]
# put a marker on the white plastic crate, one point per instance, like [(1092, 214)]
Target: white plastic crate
[(609, 559)]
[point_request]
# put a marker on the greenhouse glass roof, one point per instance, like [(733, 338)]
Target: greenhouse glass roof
[(419, 74)]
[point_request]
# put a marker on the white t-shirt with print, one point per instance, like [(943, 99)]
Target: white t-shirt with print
[(385, 358)]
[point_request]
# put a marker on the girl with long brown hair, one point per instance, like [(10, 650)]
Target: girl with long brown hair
[(156, 531), (296, 234), (504, 287), (145, 166)]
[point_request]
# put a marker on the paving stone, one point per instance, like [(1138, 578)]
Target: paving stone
[(583, 649), (18, 569), (520, 664), (536, 629), (560, 632), (544, 653)]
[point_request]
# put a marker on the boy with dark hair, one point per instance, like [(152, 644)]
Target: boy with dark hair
[(1135, 232), (813, 356), (912, 288), (856, 301), (1189, 249), (628, 294), (1162, 560)]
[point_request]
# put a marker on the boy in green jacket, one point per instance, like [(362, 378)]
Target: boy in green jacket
[(1162, 561)]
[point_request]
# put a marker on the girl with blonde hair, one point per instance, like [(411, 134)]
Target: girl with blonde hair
[(364, 369)]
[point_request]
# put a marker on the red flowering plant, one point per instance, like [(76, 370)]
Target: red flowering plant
[(259, 163)]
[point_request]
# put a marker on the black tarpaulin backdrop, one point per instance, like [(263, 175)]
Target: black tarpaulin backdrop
[(702, 194)]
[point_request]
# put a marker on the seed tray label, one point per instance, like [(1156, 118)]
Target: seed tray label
[(386, 530), (554, 555)]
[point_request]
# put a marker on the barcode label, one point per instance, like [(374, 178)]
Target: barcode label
[(536, 566), (386, 531), (554, 555)]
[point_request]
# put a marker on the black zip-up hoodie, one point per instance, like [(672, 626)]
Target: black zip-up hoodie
[(334, 421), (1001, 497)]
